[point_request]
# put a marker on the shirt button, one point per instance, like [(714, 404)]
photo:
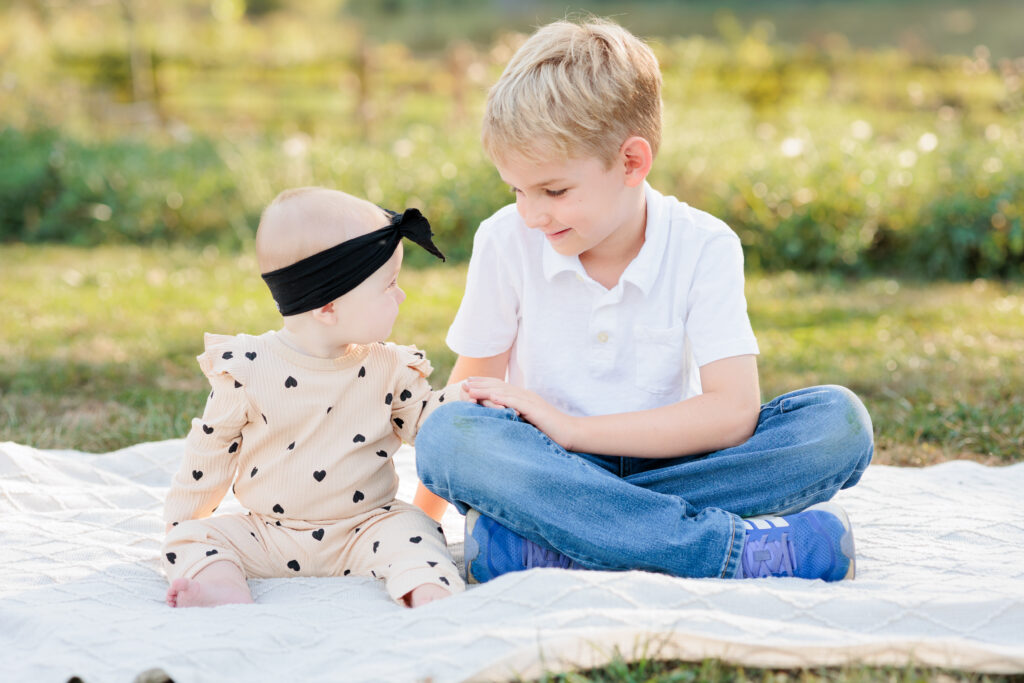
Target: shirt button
[(579, 277), (602, 337)]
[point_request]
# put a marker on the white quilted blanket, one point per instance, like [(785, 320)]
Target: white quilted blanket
[(940, 582)]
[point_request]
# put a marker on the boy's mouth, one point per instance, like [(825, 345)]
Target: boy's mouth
[(557, 235)]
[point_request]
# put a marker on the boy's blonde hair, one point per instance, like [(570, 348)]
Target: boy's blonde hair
[(572, 90)]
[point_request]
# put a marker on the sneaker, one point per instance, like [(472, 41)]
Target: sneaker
[(492, 550), (814, 544)]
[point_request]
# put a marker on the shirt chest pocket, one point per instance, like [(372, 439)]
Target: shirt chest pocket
[(660, 358)]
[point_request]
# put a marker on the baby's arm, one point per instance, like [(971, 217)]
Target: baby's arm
[(465, 367), (211, 454), (724, 415), (415, 401)]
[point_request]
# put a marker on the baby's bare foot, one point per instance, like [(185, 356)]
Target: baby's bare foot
[(192, 593), (424, 594)]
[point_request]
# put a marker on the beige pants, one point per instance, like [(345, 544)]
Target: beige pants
[(401, 546)]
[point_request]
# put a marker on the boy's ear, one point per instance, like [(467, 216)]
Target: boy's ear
[(637, 158), (325, 314)]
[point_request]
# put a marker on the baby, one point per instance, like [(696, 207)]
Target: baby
[(301, 423)]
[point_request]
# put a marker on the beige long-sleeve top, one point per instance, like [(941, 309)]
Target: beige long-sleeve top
[(301, 438)]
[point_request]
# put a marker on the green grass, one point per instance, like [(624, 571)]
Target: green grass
[(714, 671), (98, 346)]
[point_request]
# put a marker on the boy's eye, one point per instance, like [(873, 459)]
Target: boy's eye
[(515, 190), (555, 193)]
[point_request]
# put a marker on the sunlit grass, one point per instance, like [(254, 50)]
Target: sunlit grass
[(97, 347), (714, 671)]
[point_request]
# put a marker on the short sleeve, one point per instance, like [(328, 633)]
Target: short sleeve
[(486, 323), (716, 318)]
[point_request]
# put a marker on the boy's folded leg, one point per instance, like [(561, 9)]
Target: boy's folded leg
[(814, 544), (490, 461)]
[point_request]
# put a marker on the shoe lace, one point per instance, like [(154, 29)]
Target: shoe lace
[(769, 557), (536, 556)]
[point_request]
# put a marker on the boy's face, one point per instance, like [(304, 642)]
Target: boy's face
[(367, 313), (577, 203)]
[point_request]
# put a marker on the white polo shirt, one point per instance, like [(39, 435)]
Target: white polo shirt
[(589, 350)]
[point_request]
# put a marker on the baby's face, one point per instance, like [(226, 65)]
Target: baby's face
[(367, 313)]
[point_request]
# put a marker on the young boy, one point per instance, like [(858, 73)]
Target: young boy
[(302, 422), (632, 435)]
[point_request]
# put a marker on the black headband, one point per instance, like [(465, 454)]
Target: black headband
[(319, 279)]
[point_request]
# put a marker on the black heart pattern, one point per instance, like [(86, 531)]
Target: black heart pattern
[(415, 539), (197, 475), (431, 563), (362, 371), (329, 409), (382, 454), (443, 580), (318, 534), (405, 395), (440, 399), (278, 509), (227, 355), (264, 418), (376, 544), (319, 475), (346, 572), (400, 422), (211, 552), (253, 473), (386, 508), (233, 447), (291, 446), (238, 384), (171, 557), (357, 496), (207, 430), (290, 382), (388, 399), (293, 565), (358, 438), (251, 355)]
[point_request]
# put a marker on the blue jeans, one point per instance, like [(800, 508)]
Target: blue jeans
[(680, 516)]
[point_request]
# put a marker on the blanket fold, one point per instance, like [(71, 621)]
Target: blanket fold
[(940, 582)]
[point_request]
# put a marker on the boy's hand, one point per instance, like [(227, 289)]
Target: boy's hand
[(494, 392)]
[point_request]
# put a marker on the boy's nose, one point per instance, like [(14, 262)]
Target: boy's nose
[(401, 295), (535, 218)]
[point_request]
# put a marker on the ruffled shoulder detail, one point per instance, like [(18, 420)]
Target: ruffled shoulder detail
[(414, 359), (223, 354)]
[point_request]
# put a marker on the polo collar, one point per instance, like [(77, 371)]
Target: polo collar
[(642, 270)]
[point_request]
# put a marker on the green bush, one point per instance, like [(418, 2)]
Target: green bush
[(821, 158)]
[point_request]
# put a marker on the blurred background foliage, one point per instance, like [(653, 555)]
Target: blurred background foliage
[(852, 137)]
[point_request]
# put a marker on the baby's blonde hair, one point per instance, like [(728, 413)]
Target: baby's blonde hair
[(303, 221), (572, 90)]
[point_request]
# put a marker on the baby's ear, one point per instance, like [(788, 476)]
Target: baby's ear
[(325, 314)]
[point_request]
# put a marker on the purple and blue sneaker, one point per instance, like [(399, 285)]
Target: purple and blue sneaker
[(492, 550), (814, 544)]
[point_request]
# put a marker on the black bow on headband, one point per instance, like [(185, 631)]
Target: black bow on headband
[(319, 279)]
